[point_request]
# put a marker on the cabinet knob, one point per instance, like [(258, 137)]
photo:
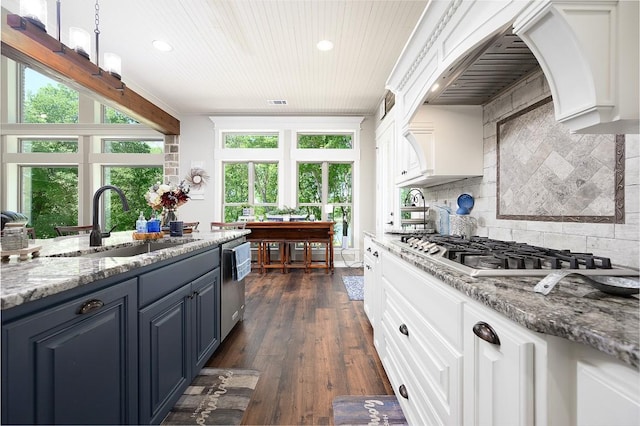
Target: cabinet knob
[(403, 391), (369, 249), (375, 253), (368, 267), (486, 333), (403, 329), (90, 305)]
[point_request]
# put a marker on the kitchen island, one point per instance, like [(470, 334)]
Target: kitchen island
[(490, 350), (105, 335)]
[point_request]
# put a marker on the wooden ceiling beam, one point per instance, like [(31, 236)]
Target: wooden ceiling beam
[(24, 42)]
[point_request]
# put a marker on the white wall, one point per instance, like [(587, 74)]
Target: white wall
[(620, 242), (197, 144)]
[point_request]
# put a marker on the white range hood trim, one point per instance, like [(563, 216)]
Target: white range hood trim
[(594, 84)]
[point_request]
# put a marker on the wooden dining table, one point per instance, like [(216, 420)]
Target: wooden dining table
[(292, 232)]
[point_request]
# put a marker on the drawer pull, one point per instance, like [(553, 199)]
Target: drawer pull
[(90, 306), (486, 333), (404, 330), (403, 391)]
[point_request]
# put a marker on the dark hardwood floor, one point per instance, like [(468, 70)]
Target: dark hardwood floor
[(310, 344)]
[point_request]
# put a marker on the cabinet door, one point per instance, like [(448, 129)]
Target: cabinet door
[(206, 317), (75, 363), (608, 393), (165, 353), (499, 376)]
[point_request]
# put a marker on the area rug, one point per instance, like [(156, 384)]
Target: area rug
[(215, 397), (355, 286), (367, 410)]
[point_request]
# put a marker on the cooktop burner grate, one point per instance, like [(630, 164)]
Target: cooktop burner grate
[(485, 256)]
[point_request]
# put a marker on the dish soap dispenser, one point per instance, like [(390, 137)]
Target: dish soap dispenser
[(141, 224)]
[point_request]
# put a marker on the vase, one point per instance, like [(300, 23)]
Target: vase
[(168, 215)]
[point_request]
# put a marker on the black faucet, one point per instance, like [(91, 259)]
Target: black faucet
[(95, 238)]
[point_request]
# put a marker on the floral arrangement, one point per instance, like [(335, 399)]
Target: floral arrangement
[(165, 196)]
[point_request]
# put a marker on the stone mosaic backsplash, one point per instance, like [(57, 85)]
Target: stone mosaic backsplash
[(546, 173)]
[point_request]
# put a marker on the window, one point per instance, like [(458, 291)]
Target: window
[(310, 165), (50, 175), (328, 185), (123, 146), (49, 145), (243, 140), (134, 182), (49, 197), (249, 185), (324, 141), (45, 100), (113, 116)]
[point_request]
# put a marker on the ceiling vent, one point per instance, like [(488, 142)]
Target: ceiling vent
[(277, 102)]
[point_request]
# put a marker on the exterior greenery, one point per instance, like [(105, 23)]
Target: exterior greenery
[(242, 140), (325, 141)]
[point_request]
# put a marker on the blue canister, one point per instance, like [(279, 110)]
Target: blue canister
[(153, 225)]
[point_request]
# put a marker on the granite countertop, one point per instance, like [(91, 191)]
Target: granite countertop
[(572, 310), (59, 268)]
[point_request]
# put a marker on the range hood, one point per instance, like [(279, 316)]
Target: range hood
[(466, 52)]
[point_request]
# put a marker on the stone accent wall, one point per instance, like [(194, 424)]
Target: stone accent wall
[(172, 159), (620, 242)]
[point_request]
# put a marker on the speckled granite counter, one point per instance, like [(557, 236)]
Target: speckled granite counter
[(32, 279), (573, 310)]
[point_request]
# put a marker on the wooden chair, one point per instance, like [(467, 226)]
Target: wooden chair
[(227, 225), (192, 225), (72, 230), (31, 233)]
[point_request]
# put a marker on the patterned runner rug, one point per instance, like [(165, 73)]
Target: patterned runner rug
[(367, 410), (217, 396), (355, 286)]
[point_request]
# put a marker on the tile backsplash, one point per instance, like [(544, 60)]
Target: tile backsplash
[(619, 241)]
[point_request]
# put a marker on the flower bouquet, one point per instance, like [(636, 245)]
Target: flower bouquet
[(167, 198)]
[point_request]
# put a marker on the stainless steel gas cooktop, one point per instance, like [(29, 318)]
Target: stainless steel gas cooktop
[(479, 256)]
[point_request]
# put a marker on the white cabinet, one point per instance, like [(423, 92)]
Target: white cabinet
[(444, 372), (386, 190), (446, 144), (372, 284), (498, 371), (607, 393), (421, 342), (408, 165)]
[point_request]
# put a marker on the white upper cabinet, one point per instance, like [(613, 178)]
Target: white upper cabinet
[(441, 144)]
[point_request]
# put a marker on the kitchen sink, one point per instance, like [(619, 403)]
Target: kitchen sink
[(129, 251)]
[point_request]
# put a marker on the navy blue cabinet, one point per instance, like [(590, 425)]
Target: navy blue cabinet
[(178, 334), (75, 363)]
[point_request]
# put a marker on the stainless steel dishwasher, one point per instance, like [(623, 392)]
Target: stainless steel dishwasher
[(232, 297)]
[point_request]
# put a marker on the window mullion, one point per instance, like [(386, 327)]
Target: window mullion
[(252, 182)]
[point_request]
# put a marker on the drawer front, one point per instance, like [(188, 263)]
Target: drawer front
[(438, 306), (164, 280), (433, 366)]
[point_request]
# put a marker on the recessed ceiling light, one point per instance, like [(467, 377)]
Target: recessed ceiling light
[(325, 45), (162, 46)]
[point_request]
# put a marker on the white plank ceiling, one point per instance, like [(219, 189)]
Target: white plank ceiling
[(233, 56)]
